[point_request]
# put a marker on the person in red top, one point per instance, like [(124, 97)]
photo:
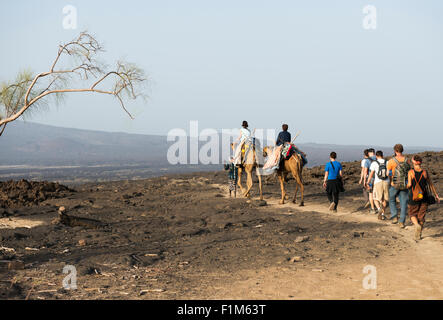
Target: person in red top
[(418, 207)]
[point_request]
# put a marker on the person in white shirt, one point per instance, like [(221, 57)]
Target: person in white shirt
[(245, 134), (367, 192), (379, 172)]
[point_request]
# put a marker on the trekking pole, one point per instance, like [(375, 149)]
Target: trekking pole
[(298, 133)]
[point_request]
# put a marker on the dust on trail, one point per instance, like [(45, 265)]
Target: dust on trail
[(14, 223), (414, 273)]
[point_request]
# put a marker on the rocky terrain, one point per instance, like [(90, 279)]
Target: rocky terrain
[(181, 237), (27, 193)]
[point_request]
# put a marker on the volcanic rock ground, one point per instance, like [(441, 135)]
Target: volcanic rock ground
[(181, 237)]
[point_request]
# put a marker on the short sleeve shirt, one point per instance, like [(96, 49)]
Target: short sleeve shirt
[(392, 164), (333, 168), (363, 163), (366, 163), (374, 167)]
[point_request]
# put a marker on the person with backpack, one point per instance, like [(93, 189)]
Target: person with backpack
[(379, 172), (420, 187), (333, 181), (398, 168)]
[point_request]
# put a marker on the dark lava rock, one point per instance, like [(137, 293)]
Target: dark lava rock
[(259, 203), (27, 193), (89, 270)]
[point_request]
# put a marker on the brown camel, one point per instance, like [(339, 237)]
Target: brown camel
[(293, 165), (248, 165)]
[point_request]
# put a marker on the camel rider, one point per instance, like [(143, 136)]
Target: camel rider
[(284, 138), (245, 134)]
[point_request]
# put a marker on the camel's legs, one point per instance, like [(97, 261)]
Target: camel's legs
[(294, 200), (259, 183), (299, 182), (240, 170), (248, 181), (282, 186)]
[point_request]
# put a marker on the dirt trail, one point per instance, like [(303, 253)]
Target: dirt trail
[(413, 273)]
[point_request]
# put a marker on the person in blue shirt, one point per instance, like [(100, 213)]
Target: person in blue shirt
[(333, 182)]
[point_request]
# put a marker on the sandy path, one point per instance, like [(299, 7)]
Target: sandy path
[(414, 273), (212, 248)]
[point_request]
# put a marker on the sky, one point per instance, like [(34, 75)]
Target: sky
[(310, 64)]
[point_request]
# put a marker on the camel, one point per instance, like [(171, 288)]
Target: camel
[(248, 165), (293, 165)]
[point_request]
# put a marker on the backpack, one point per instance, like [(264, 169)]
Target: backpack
[(370, 160), (400, 178), (382, 172), (417, 191)]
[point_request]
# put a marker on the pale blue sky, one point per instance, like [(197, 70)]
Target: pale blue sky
[(307, 63)]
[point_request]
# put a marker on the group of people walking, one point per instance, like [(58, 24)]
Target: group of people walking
[(384, 182)]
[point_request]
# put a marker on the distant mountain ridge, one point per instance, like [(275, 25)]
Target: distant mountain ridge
[(32, 143), (27, 143)]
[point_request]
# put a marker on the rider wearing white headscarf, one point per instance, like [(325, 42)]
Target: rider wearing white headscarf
[(245, 134)]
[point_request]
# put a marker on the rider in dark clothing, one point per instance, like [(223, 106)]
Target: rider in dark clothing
[(283, 136)]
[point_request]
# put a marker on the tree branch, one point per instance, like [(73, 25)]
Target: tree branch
[(30, 91), (3, 129)]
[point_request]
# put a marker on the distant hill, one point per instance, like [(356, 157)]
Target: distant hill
[(36, 144), (37, 151)]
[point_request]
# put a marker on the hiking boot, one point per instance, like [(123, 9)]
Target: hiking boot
[(402, 225), (334, 211), (372, 211), (394, 220), (332, 206), (418, 230)]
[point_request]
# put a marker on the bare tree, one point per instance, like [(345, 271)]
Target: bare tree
[(124, 81)]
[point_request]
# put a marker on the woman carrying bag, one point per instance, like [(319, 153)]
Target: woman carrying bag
[(421, 189), (333, 181)]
